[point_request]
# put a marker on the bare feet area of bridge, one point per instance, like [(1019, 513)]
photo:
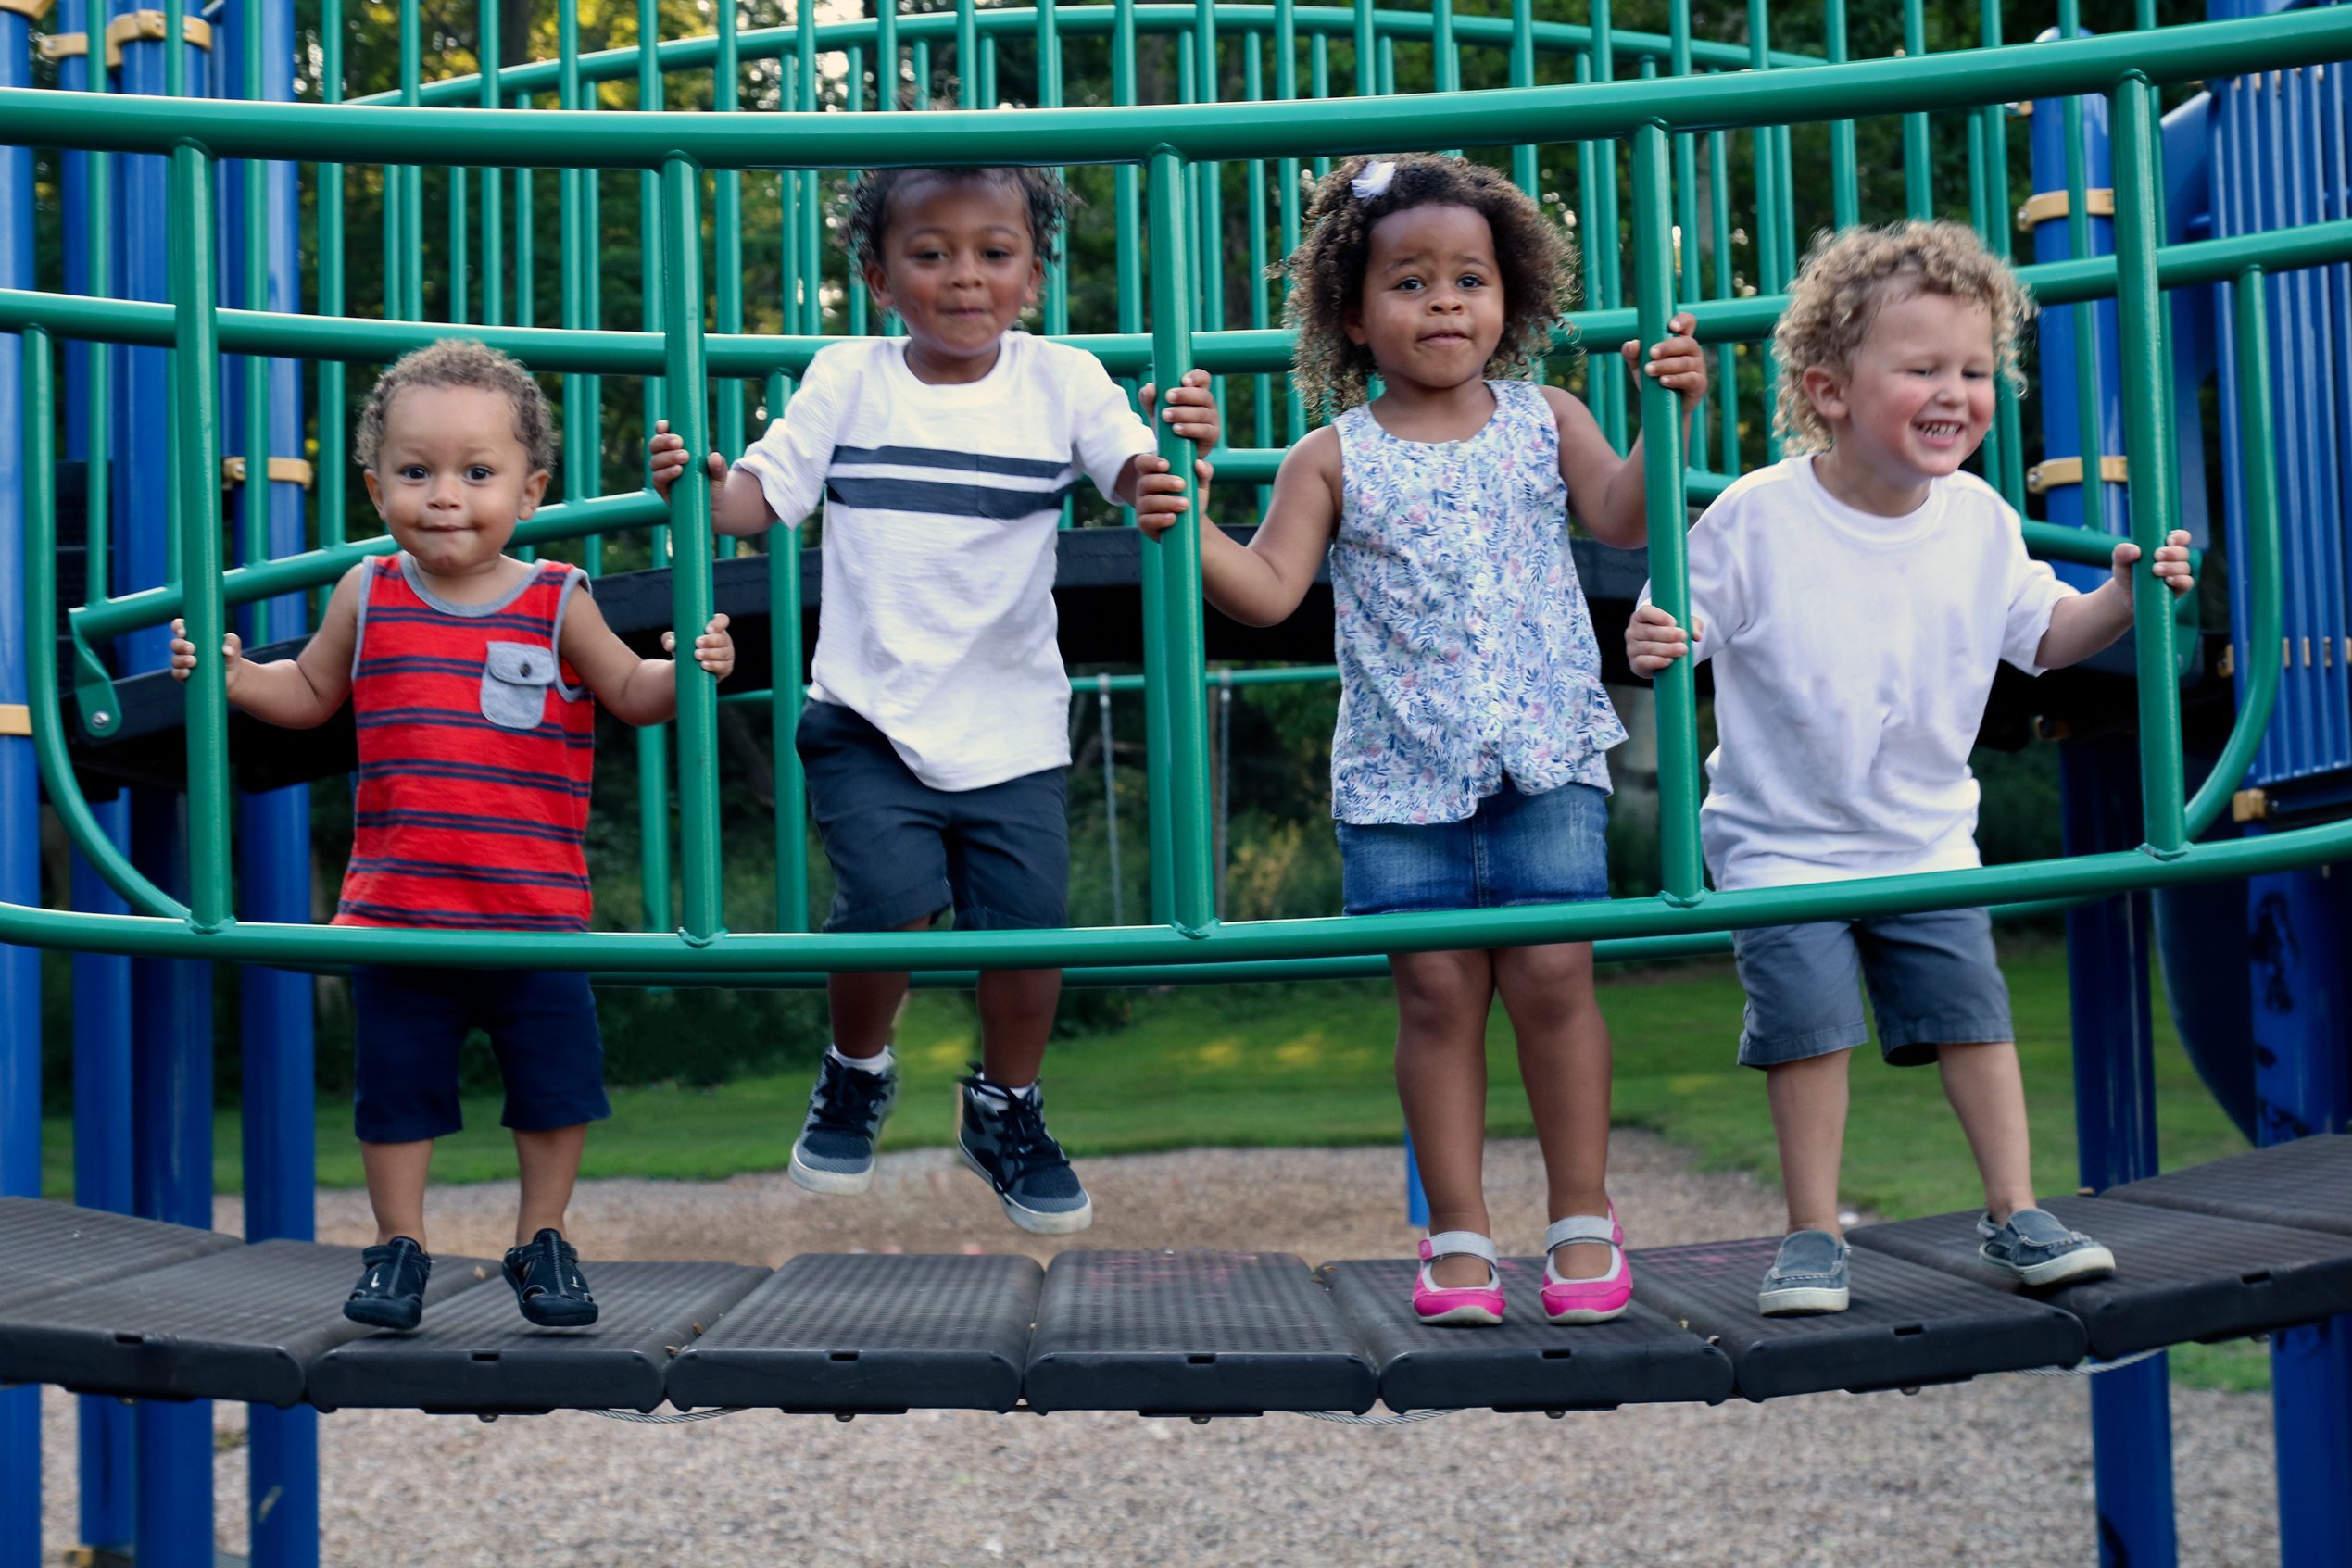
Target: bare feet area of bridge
[(1997, 1472)]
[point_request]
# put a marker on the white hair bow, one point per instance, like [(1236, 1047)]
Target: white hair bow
[(1374, 181)]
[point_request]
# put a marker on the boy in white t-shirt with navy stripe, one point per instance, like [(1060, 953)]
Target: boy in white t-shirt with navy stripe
[(1856, 599), (936, 734)]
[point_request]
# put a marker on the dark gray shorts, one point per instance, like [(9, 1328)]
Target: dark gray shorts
[(1932, 980), (900, 850)]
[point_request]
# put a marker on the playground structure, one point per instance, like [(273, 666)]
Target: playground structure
[(2224, 218)]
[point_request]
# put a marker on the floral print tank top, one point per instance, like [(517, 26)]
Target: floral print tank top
[(1465, 645)]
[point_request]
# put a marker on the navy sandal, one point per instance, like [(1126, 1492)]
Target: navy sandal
[(547, 1282), (391, 1292)]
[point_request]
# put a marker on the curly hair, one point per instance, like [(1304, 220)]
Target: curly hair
[(1327, 270), (460, 362), (1851, 275), (1048, 201)]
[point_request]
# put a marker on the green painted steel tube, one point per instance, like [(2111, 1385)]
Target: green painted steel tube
[(1680, 874), (2257, 450), (98, 411), (1365, 32), (2147, 426), (1526, 170), (55, 763), (1919, 195), (1178, 750), (885, 55), (692, 552), (1726, 391), (967, 56), (335, 524), (784, 698), (460, 269), (1845, 177), (253, 495), (195, 456), (493, 260)]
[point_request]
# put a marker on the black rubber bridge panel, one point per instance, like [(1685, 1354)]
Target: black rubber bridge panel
[(1908, 1326), (479, 1353), (50, 1249), (1527, 1364), (1192, 1334), (859, 1333), (2306, 1185), (240, 1323), (2178, 1276)]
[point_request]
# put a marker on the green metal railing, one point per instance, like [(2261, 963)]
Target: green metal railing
[(1168, 177)]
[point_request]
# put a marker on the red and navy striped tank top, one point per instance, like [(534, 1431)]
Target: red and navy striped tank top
[(476, 745)]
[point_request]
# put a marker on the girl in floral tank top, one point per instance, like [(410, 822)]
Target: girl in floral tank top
[(1468, 770)]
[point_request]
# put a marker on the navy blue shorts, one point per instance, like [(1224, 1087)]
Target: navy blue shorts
[(1547, 849), (412, 1022), (902, 851)]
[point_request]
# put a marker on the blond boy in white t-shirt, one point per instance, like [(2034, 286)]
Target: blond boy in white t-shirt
[(1856, 599)]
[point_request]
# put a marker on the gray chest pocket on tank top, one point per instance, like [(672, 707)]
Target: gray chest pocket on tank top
[(515, 679)]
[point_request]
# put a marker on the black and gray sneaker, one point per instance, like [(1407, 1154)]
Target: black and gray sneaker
[(834, 1151), (391, 1289), (1809, 1273), (2038, 1248), (548, 1283), (1003, 1136)]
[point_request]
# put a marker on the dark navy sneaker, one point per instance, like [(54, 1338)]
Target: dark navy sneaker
[(391, 1289), (1810, 1274), (2039, 1250), (548, 1283), (1003, 1136), (834, 1153)]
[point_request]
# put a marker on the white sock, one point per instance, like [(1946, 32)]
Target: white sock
[(1026, 1091), (881, 1061)]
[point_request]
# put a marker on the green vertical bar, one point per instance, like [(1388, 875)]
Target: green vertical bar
[(812, 263), (919, 71), (853, 100), (573, 260), (97, 416), (1919, 196), (1177, 762), (1257, 220), (1126, 190), (411, 176), (1057, 274), (1679, 873), (1524, 170), (526, 250), (887, 80), (1209, 221), (459, 289), (253, 495), (1386, 81), (693, 550), (1368, 51), (494, 215), (196, 370), (2090, 397), (1726, 356), (2148, 444), (1445, 62), (1602, 240), (726, 223), (1319, 72), (334, 522), (175, 49), (1285, 86), (2007, 424), (786, 694), (1845, 178), (967, 56), (653, 740)]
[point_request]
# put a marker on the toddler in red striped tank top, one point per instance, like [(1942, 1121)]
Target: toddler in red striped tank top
[(473, 679)]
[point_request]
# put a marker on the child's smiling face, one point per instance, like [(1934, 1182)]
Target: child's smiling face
[(1914, 404), (1432, 306), (451, 479), (958, 264)]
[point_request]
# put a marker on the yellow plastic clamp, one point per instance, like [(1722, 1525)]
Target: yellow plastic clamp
[(2052, 472), (283, 471), (2042, 206), (147, 27)]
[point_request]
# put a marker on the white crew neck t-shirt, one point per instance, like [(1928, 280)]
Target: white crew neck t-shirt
[(941, 504), (1852, 657)]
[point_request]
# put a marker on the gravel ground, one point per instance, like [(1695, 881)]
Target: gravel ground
[(1829, 1479)]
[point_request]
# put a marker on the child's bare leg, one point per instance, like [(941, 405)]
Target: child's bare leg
[(396, 1187), (1565, 1060), (1983, 1084), (550, 1162), (865, 1006), (1441, 1077), (1809, 1119), (1016, 1014)]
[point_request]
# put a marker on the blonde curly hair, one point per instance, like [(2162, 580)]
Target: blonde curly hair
[(1850, 275), (1537, 261)]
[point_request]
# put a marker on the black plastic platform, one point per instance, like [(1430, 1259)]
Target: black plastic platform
[(1192, 1334), (2179, 1276), (869, 1334), (240, 1323), (479, 1354), (1526, 1364), (2306, 1185), (49, 1249), (1906, 1326)]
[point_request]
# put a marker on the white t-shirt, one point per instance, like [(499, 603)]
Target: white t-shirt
[(940, 509), (1852, 657)]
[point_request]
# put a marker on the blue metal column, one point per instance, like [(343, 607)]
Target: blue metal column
[(172, 1000), (273, 828), (2303, 1084), (20, 822)]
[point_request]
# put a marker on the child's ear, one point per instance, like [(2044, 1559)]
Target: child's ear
[(877, 283), (535, 490), (375, 490), (1825, 389), (1351, 323), (1036, 281)]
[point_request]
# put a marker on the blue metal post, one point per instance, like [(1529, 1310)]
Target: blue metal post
[(2108, 947), (20, 824), (273, 828), (1416, 1201), (172, 1000), (2303, 1084)]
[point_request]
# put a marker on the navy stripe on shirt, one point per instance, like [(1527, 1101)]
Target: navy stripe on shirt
[(475, 773), (457, 821), (944, 500), (443, 719), (421, 664), (451, 870), (938, 458), (540, 626)]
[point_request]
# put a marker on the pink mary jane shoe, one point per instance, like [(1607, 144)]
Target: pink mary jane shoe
[(1587, 1300), (1434, 1303)]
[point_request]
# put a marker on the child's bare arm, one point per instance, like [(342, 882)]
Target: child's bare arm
[(738, 507), (300, 693), (634, 690), (1607, 492), (2081, 624), (1263, 582)]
